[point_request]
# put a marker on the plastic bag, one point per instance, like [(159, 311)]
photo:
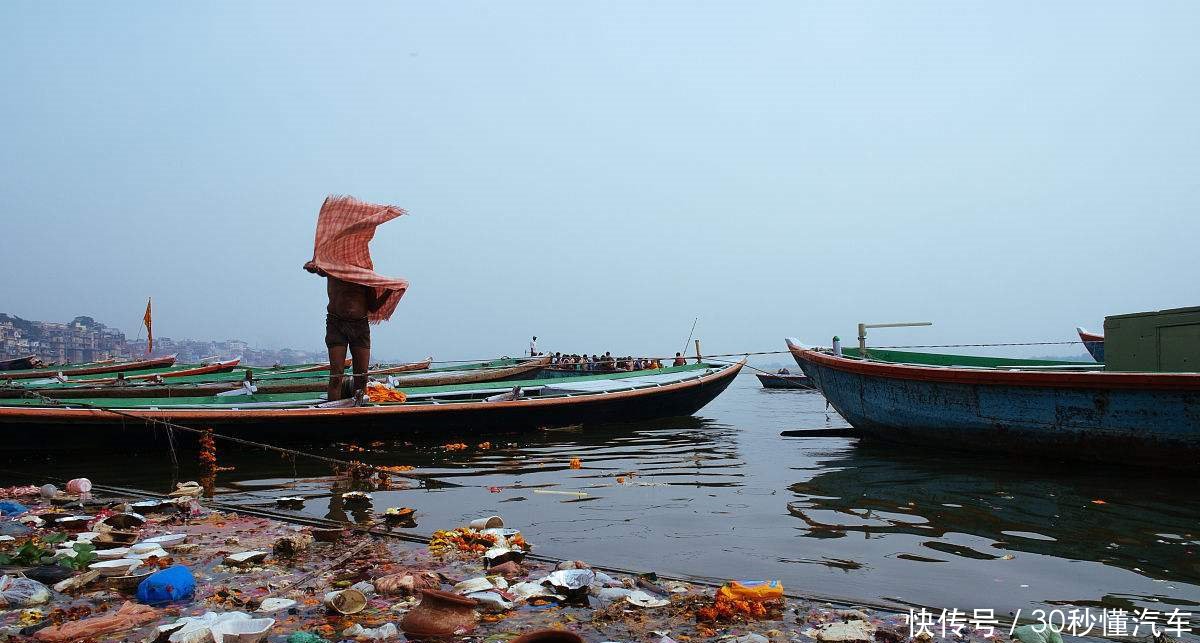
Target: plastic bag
[(12, 508), (22, 592), (377, 392), (381, 633), (174, 583), (129, 616), (759, 591)]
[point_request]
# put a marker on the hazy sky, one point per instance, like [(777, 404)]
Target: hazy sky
[(601, 173)]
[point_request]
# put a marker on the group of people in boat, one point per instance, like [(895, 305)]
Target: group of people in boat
[(606, 363)]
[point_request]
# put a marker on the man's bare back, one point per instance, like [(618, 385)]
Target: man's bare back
[(348, 301), (346, 326)]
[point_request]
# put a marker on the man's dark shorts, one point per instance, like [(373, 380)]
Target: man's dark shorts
[(353, 332)]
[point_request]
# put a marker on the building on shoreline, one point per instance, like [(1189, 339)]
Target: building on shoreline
[(83, 339)]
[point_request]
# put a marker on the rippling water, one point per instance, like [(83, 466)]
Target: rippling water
[(723, 495)]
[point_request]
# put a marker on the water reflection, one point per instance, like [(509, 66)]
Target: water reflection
[(722, 495), (964, 509)]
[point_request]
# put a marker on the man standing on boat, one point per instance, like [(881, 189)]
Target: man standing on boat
[(358, 296)]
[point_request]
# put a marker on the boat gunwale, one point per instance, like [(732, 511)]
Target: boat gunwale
[(27, 413), (114, 367), (1002, 376)]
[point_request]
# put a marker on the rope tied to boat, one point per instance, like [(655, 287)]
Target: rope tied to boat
[(170, 426)]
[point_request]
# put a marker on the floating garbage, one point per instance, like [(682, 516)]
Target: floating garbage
[(167, 541), (172, 584), (362, 583), (22, 592), (346, 601), (290, 502), (501, 555), (573, 583), (149, 506), (356, 498), (231, 627), (328, 535), (381, 633), (118, 567), (122, 521), (79, 486), (548, 636), (245, 558), (439, 614), (12, 508), (189, 489), (491, 522), (396, 515), (274, 604), (492, 601), (292, 545)]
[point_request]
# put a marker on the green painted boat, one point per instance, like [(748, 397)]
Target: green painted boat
[(946, 359), (462, 409), (285, 379)]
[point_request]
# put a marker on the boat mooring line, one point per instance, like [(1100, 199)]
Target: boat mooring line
[(424, 479), (311, 521)]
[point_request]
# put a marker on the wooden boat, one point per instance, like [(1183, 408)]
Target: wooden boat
[(1093, 343), (286, 381), (93, 369), (619, 397), (18, 363), (1143, 418), (154, 374), (979, 361), (404, 368), (399, 368), (784, 380)]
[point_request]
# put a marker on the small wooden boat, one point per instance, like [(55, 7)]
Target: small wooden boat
[(784, 380), (469, 409), (1093, 343), (404, 368), (189, 371), (1128, 418), (94, 369), (284, 380), (18, 363)]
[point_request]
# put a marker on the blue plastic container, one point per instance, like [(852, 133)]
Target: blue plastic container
[(170, 585)]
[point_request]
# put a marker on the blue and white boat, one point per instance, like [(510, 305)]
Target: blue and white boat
[(1096, 415)]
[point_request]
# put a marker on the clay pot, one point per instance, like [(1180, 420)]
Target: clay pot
[(548, 636), (439, 614)]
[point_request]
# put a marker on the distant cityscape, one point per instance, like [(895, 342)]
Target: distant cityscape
[(84, 339)]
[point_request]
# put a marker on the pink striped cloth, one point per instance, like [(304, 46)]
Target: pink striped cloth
[(344, 231)]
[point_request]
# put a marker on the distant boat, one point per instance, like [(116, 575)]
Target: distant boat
[(471, 409), (190, 370), (1127, 418), (18, 363), (89, 369), (1093, 343), (784, 380)]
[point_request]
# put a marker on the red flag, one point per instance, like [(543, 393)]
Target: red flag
[(149, 328)]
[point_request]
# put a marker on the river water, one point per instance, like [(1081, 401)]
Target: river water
[(722, 495)]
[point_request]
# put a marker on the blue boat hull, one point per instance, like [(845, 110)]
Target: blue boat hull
[(1096, 349), (1128, 426)]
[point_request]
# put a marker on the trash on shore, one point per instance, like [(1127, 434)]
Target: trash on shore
[(183, 572)]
